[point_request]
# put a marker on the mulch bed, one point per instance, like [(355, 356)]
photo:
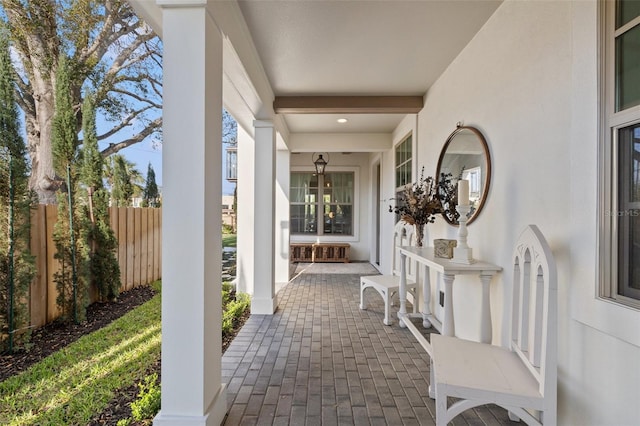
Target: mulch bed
[(57, 335)]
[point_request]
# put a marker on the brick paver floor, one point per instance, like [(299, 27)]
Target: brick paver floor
[(321, 360)]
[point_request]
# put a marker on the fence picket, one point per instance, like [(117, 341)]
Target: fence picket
[(53, 265), (38, 290), (139, 254)]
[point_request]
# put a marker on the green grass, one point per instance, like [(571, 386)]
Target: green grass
[(77, 382), (229, 240), (74, 384)]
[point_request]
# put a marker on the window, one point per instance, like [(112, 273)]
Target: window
[(232, 164), (403, 167), (326, 199), (620, 191), (403, 164), (629, 212)]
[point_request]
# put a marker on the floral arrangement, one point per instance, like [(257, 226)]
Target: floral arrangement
[(421, 201)]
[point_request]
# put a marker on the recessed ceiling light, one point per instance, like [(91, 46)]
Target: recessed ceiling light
[(342, 120)]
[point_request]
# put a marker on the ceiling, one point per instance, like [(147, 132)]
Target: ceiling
[(358, 48)]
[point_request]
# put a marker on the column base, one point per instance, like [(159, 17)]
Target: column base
[(213, 417), (264, 306)]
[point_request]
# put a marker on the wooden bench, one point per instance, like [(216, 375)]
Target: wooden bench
[(523, 377), (319, 252)]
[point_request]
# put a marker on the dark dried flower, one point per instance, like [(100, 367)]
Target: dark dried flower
[(421, 201)]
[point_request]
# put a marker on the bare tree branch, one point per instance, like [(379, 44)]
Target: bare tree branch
[(24, 97), (136, 97), (115, 147), (123, 123), (118, 64)]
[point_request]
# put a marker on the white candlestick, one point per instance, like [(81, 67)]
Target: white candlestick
[(463, 192), (462, 253)]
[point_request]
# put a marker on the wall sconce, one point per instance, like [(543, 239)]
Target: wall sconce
[(320, 163)]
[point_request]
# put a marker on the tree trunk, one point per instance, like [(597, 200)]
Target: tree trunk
[(93, 31), (39, 129), (38, 51)]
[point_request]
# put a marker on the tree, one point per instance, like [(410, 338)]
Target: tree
[(72, 296), (110, 50), (103, 270), (16, 262), (229, 128), (151, 197), (118, 172), (230, 137), (120, 176)]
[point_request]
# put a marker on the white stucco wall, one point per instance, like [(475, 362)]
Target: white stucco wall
[(360, 241), (528, 81)]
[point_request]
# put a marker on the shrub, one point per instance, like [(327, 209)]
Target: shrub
[(234, 310), (228, 294), (148, 402)]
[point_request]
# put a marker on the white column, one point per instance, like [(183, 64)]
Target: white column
[(282, 217), (192, 390), (264, 178), (245, 261)]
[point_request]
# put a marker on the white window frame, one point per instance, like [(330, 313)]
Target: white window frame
[(303, 238), (400, 189), (395, 166), (612, 122)]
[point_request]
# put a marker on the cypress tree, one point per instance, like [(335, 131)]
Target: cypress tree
[(122, 189), (16, 200), (103, 271), (72, 290), (151, 196)]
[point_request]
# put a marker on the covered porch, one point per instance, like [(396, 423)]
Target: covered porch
[(530, 75), (321, 360)]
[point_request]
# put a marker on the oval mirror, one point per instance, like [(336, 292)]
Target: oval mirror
[(465, 155)]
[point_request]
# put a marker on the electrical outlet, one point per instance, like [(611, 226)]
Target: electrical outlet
[(442, 299)]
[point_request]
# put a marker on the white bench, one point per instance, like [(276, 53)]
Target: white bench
[(523, 377), (388, 285)]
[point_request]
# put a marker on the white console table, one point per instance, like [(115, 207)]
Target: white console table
[(425, 256)]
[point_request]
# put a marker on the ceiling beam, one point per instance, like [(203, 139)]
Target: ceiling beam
[(348, 104)]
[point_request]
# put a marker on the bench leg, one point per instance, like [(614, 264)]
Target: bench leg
[(441, 408), (432, 381), (363, 305)]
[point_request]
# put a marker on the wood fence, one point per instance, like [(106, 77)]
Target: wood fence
[(139, 254)]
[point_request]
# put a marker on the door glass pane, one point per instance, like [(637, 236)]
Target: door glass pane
[(628, 69), (303, 195), (338, 216), (629, 212), (626, 11)]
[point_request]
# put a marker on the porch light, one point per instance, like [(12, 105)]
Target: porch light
[(320, 164)]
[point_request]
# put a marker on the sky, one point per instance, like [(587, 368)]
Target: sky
[(147, 151)]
